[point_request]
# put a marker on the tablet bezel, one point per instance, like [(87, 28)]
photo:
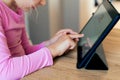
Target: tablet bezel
[(115, 17)]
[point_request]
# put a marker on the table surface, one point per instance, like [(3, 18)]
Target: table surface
[(64, 67)]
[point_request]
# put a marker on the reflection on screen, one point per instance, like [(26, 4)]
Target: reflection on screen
[(94, 29)]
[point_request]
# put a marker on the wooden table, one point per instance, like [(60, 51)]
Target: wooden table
[(64, 67)]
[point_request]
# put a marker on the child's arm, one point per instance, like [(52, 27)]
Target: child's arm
[(29, 48), (14, 68)]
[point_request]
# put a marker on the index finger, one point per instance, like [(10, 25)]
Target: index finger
[(67, 31), (76, 36)]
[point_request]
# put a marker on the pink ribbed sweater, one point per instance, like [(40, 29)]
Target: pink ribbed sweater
[(17, 57)]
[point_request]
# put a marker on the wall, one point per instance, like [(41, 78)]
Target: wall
[(87, 7), (55, 16), (71, 14), (64, 14), (38, 24)]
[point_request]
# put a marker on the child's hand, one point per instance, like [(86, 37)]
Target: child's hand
[(59, 34), (63, 43)]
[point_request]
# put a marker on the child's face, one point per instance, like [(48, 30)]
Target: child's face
[(28, 4)]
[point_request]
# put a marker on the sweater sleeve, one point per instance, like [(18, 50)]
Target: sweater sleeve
[(14, 68), (28, 47)]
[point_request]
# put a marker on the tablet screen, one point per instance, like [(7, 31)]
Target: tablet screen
[(93, 29)]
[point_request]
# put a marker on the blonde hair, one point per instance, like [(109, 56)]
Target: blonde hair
[(35, 9)]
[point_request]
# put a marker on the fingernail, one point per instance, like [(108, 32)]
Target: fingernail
[(82, 35)]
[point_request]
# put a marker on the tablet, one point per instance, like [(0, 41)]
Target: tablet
[(96, 29)]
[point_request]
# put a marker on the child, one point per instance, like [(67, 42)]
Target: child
[(17, 57)]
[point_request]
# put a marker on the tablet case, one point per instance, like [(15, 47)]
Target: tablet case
[(97, 61)]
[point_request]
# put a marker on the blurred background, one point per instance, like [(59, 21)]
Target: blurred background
[(43, 22)]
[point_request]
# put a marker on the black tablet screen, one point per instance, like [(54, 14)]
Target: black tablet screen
[(94, 28)]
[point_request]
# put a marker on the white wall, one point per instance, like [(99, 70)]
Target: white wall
[(55, 16), (86, 9), (63, 14)]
